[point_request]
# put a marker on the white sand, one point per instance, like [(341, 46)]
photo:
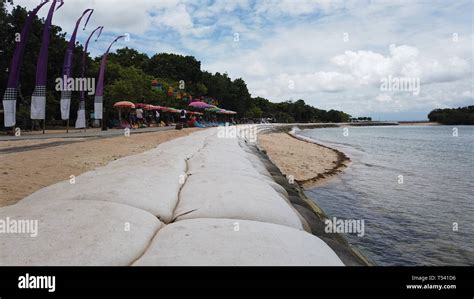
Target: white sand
[(302, 160)]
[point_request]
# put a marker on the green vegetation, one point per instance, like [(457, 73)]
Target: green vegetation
[(454, 116), (129, 77)]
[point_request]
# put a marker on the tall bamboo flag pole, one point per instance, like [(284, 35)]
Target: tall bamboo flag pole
[(38, 99), (67, 69), (11, 93), (99, 92), (81, 112)]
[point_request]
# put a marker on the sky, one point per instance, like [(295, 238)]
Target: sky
[(344, 55)]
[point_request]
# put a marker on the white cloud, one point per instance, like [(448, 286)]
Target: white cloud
[(302, 41), (175, 17), (383, 98), (116, 15), (277, 8)]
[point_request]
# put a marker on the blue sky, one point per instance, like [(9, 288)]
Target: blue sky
[(332, 54)]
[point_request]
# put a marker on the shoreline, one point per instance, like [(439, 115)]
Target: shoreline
[(310, 166), (343, 161), (309, 210)]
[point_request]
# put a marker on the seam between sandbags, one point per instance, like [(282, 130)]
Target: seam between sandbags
[(186, 161), (173, 218), (177, 201)]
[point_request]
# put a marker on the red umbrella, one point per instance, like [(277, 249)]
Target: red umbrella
[(124, 104), (223, 111), (170, 109), (155, 107), (201, 105)]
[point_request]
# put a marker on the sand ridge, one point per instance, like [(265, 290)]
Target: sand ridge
[(308, 163)]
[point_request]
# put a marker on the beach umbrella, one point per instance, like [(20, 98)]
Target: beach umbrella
[(200, 105), (224, 111), (213, 109), (125, 104), (140, 105), (166, 109), (156, 107), (148, 107), (171, 110), (10, 96)]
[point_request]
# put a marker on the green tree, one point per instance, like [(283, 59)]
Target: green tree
[(176, 67), (253, 112), (129, 57)]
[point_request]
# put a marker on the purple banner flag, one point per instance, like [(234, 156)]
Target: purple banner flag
[(38, 99), (99, 92), (68, 65), (9, 98), (81, 112)]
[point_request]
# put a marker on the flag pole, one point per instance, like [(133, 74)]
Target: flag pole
[(38, 99), (99, 93), (67, 68), (11, 92), (81, 112)]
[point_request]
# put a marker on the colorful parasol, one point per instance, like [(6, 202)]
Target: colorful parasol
[(201, 105), (214, 109), (124, 104), (155, 107), (224, 111)]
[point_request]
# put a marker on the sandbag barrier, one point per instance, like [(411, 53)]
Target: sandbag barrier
[(196, 200)]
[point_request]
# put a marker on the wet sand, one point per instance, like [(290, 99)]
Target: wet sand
[(299, 154), (310, 164), (29, 165)]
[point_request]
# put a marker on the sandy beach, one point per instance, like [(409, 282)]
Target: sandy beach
[(29, 165), (309, 163)]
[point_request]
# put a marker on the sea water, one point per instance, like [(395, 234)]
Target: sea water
[(412, 185)]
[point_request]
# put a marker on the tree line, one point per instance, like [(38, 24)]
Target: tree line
[(129, 77), (453, 116)]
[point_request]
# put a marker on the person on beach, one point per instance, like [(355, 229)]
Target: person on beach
[(192, 121), (182, 116), (139, 117), (132, 119), (157, 116)]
